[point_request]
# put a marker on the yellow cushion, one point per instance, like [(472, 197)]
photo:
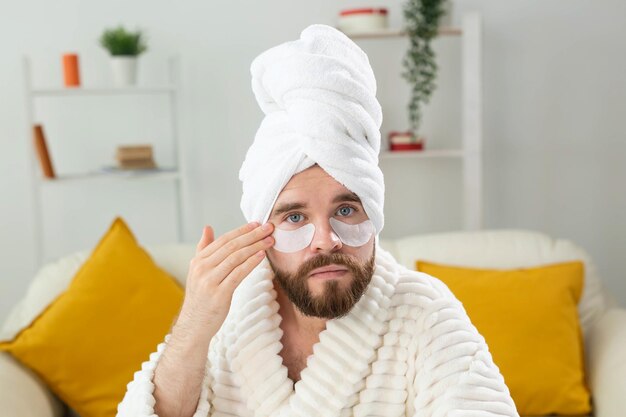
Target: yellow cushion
[(529, 319), (88, 343)]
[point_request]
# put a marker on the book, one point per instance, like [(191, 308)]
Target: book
[(133, 152), (137, 163), (124, 148), (41, 148)]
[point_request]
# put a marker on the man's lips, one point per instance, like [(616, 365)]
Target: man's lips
[(330, 268)]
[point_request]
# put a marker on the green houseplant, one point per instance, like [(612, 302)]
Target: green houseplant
[(124, 47), (421, 19)]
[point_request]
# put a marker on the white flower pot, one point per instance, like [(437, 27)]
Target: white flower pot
[(124, 70)]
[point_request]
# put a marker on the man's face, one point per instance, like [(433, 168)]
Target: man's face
[(313, 196)]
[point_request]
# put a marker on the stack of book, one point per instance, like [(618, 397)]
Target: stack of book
[(135, 157)]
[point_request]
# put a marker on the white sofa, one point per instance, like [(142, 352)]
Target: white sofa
[(604, 323)]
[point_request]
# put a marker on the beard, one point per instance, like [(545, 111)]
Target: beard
[(334, 301)]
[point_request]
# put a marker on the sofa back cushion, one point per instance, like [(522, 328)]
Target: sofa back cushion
[(502, 249)]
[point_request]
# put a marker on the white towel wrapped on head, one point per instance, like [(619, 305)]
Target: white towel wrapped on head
[(318, 94)]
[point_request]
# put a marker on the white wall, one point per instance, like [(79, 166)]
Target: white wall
[(554, 103)]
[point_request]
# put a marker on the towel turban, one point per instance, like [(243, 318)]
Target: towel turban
[(318, 94)]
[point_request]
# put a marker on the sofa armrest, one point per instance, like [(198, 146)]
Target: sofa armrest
[(607, 364), (23, 394)]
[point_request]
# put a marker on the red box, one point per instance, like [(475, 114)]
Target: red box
[(404, 141)]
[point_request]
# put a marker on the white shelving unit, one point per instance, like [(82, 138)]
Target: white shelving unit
[(470, 152), (168, 174)]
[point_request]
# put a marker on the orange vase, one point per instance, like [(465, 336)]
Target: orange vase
[(71, 73)]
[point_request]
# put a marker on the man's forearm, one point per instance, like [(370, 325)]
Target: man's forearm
[(179, 374)]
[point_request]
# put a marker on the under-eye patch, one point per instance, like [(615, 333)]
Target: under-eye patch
[(293, 240), (353, 234)]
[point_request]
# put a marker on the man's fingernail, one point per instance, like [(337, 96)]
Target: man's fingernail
[(267, 226)]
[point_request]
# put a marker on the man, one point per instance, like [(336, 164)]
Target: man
[(309, 316)]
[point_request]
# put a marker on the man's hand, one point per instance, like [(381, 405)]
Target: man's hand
[(217, 269)]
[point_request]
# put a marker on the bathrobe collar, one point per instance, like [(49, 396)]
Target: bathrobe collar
[(340, 362)]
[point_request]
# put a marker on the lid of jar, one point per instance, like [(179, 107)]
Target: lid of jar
[(381, 10)]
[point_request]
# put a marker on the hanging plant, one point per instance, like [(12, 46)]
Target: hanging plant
[(421, 23)]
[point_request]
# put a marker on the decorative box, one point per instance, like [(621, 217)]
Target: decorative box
[(404, 141), (354, 21)]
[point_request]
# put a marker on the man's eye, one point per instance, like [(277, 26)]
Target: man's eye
[(343, 210), (291, 217)]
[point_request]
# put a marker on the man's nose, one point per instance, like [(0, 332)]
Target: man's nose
[(325, 239)]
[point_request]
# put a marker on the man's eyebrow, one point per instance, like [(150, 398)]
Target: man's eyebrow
[(347, 197), (285, 207)]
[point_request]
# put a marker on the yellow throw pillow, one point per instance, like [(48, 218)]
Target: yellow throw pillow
[(529, 319), (88, 343)]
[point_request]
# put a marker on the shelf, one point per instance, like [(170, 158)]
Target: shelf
[(97, 176), (428, 153), (99, 91), (137, 174), (398, 33)]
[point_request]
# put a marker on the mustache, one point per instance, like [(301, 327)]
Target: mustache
[(325, 260)]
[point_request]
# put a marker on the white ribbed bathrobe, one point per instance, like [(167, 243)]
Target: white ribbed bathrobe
[(407, 348)]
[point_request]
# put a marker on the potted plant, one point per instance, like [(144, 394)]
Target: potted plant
[(124, 47), (422, 24)]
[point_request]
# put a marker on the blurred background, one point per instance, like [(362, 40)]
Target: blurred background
[(552, 106)]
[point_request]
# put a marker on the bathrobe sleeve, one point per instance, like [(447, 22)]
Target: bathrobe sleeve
[(139, 399), (455, 373)]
